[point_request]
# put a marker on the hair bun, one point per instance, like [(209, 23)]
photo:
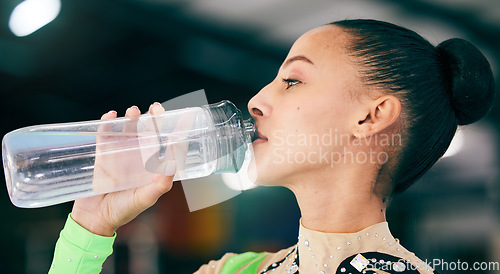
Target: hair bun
[(472, 83)]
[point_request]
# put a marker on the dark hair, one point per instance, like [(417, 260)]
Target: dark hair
[(439, 88)]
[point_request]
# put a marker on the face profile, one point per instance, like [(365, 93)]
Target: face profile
[(315, 115), (301, 101)]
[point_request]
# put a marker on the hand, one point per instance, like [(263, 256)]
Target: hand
[(103, 214)]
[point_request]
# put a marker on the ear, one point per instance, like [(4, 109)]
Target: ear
[(379, 114)]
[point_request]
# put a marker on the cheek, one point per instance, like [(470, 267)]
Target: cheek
[(313, 132), (320, 118)]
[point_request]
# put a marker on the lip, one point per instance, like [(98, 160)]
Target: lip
[(260, 139)]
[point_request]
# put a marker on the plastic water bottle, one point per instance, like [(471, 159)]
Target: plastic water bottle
[(51, 164)]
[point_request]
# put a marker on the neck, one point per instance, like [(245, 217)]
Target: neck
[(345, 203)]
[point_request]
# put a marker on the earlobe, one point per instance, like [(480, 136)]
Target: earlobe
[(382, 113)]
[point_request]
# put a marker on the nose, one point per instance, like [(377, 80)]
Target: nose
[(259, 106)]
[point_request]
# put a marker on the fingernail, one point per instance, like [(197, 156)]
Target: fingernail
[(131, 108), (111, 111), (157, 108), (171, 168)]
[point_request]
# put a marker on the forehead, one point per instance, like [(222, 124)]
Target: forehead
[(327, 48), (320, 43)]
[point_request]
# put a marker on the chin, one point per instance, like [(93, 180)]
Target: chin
[(263, 175), (267, 171)]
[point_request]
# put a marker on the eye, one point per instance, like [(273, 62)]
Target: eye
[(290, 82)]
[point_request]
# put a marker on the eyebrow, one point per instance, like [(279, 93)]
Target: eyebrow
[(297, 58)]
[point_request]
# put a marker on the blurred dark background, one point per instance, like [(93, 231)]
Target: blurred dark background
[(102, 55)]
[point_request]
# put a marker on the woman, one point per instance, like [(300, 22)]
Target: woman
[(358, 111)]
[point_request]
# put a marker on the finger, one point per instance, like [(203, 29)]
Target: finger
[(149, 194), (132, 113), (106, 126), (156, 108), (109, 115)]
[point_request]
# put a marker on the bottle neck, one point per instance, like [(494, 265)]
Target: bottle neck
[(250, 130)]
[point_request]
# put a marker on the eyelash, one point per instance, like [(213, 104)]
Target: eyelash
[(290, 82)]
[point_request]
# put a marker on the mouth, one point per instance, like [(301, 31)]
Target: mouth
[(260, 138)]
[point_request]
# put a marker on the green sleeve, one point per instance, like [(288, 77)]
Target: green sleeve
[(79, 251), (247, 263)]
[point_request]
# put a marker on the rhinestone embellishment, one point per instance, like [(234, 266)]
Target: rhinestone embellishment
[(359, 262), (398, 267), (293, 269)]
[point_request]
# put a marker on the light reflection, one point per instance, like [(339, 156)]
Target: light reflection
[(31, 15), (240, 180), (456, 144)]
